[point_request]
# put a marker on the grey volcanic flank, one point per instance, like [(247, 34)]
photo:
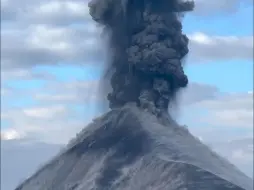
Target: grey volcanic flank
[(129, 149), (137, 145)]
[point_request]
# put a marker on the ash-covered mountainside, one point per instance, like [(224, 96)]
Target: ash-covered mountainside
[(129, 149)]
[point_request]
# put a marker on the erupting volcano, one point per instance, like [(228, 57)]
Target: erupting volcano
[(136, 145)]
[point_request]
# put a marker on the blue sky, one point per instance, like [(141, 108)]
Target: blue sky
[(229, 74), (222, 24)]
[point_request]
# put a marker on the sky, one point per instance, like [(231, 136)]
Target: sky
[(52, 59)]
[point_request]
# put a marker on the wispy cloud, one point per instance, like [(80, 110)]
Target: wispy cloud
[(234, 110), (212, 48)]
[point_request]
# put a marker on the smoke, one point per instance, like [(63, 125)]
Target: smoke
[(146, 48)]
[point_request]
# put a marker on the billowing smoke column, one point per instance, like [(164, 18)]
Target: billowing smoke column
[(147, 46)]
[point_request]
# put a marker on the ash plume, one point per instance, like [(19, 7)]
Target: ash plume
[(147, 47)]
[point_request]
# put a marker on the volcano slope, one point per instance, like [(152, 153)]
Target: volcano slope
[(130, 149)]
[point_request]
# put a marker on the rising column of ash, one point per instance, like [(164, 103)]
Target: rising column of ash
[(147, 46)]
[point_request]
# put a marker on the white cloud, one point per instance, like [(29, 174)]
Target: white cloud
[(25, 74), (54, 12), (41, 122), (54, 7), (45, 112), (224, 110), (210, 48), (47, 121), (10, 134), (57, 131), (56, 98), (60, 107), (74, 91), (197, 92), (35, 32), (42, 44), (231, 101), (232, 118)]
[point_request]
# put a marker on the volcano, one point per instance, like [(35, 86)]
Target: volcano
[(130, 149), (137, 145)]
